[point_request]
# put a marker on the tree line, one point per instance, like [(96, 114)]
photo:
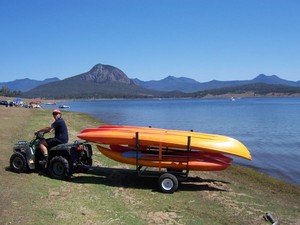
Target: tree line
[(6, 92)]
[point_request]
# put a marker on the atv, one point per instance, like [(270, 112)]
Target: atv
[(63, 159)]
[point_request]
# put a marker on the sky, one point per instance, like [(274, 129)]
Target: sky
[(150, 39)]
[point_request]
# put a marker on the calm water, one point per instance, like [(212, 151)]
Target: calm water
[(269, 127)]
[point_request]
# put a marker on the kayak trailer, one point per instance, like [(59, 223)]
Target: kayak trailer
[(168, 181)]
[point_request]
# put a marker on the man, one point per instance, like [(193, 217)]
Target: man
[(61, 133)]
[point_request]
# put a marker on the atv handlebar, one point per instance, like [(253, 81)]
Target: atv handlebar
[(39, 134)]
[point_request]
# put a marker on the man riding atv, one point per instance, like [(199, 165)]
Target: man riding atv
[(61, 134), (62, 160)]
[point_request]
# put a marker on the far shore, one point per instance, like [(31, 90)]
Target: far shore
[(209, 96)]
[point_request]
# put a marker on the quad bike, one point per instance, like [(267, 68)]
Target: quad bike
[(63, 159)]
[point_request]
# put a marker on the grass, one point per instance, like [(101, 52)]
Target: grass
[(113, 196)]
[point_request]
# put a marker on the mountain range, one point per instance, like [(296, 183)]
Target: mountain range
[(188, 85), (26, 84), (105, 81)]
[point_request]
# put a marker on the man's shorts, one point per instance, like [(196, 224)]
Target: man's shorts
[(51, 142)]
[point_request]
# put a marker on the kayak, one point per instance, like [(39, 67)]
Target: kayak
[(154, 152), (171, 161), (165, 139)]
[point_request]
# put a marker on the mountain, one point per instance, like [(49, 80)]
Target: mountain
[(26, 84), (102, 81), (105, 74), (188, 85), (171, 83), (273, 79)]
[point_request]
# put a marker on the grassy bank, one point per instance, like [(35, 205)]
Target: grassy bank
[(234, 196)]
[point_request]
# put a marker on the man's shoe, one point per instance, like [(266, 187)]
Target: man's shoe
[(43, 162)]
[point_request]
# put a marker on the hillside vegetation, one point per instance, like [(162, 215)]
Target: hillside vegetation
[(257, 89), (249, 90)]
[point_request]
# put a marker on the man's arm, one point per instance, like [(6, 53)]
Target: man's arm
[(44, 130)]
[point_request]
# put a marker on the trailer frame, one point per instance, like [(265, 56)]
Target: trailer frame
[(168, 181)]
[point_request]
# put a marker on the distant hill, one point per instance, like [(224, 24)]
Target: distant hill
[(171, 83), (248, 90), (273, 79), (102, 81), (254, 89), (26, 84), (188, 85)]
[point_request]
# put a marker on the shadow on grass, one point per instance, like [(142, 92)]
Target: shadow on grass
[(129, 178)]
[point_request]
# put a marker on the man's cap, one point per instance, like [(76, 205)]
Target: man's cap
[(56, 111)]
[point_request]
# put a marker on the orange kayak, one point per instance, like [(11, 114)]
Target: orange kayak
[(184, 155), (126, 135), (175, 162)]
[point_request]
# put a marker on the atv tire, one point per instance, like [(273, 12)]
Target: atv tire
[(59, 168), (18, 162)]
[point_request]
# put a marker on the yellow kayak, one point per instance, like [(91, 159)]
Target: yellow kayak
[(162, 138)]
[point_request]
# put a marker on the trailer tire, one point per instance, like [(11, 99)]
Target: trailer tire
[(168, 183)]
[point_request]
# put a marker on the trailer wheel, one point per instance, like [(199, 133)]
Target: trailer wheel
[(168, 183)]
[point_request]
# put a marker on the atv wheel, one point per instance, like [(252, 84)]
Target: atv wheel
[(18, 162), (59, 168)]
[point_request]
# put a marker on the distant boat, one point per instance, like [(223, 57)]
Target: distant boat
[(50, 103), (232, 99), (64, 106)]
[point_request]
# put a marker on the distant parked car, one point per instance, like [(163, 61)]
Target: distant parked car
[(6, 103)]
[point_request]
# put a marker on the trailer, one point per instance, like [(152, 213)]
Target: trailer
[(168, 180)]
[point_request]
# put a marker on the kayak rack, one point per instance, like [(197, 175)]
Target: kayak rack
[(167, 179)]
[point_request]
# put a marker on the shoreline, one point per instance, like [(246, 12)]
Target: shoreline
[(209, 96)]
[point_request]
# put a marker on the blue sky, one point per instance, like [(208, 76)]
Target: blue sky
[(150, 39)]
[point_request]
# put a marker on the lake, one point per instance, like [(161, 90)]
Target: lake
[(269, 127)]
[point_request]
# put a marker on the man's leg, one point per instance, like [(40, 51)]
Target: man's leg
[(43, 147)]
